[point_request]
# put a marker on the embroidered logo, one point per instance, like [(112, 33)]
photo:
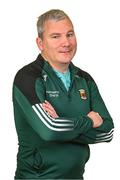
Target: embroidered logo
[(45, 77), (82, 94), (53, 93)]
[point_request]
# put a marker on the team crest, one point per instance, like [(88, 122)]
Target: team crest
[(83, 94)]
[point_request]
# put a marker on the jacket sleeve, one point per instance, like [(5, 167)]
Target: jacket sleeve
[(48, 128), (103, 133)]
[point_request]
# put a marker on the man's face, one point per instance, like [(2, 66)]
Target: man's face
[(58, 45)]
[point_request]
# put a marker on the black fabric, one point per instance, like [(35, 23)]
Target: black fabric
[(26, 77), (84, 75)]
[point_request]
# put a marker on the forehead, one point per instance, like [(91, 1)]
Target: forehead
[(61, 26)]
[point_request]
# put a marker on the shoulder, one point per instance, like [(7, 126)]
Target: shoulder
[(26, 77), (29, 73), (85, 75)]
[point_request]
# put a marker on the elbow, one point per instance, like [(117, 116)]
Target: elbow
[(110, 133), (108, 127), (107, 135), (105, 138), (109, 140)]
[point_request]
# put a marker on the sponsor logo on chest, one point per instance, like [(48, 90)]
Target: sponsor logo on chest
[(52, 93)]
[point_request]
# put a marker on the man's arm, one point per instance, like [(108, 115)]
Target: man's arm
[(102, 128), (47, 127), (95, 117), (104, 131)]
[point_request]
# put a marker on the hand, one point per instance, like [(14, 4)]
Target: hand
[(49, 109), (96, 118)]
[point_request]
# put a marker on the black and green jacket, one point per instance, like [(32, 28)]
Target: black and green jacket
[(56, 148)]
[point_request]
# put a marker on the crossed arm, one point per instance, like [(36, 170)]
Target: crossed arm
[(101, 131), (94, 116), (95, 127)]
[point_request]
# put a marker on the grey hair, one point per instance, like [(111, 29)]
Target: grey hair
[(53, 14)]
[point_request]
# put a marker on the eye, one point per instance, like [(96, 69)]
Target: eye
[(71, 34), (55, 36)]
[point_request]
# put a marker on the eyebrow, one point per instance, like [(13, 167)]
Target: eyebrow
[(52, 34), (55, 33)]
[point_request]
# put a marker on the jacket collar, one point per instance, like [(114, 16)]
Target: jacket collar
[(46, 66)]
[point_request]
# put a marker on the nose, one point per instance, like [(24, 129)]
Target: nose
[(65, 41)]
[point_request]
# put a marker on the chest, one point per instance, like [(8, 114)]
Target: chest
[(70, 103)]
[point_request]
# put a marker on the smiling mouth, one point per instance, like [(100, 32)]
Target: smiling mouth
[(67, 51)]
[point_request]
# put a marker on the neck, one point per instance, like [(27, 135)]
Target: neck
[(61, 67)]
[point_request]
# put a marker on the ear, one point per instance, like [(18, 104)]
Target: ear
[(39, 43)]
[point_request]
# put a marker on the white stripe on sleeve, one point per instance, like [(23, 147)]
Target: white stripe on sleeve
[(68, 126)]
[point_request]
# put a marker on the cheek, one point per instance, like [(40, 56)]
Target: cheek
[(74, 43), (49, 46)]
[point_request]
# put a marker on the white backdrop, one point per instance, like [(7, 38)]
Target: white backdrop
[(97, 26)]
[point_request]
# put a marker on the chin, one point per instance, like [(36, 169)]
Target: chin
[(66, 59)]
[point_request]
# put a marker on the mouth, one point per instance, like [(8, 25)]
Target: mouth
[(65, 51)]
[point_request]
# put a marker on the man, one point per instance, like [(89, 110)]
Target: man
[(57, 107)]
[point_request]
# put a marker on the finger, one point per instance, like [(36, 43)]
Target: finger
[(52, 113), (47, 104), (49, 108), (97, 113), (49, 111)]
